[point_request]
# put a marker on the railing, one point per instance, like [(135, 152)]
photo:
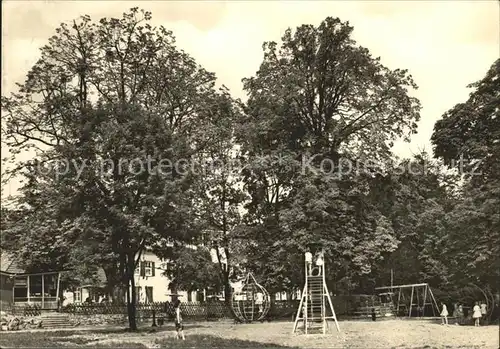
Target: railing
[(47, 305), (192, 311), (26, 309), (206, 311)]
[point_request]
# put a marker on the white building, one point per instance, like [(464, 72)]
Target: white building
[(151, 283)]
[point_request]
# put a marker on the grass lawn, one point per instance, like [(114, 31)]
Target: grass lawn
[(57, 339), (391, 334), (74, 339)]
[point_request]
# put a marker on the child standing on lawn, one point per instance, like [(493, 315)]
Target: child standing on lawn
[(460, 315), (179, 327), (484, 312), (444, 314), (476, 314)]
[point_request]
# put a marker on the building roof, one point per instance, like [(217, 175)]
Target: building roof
[(8, 264)]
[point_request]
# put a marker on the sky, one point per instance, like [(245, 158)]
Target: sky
[(445, 45)]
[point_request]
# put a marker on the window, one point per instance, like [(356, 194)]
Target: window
[(77, 296), (50, 285), (190, 297), (21, 288), (200, 296), (147, 268), (21, 293), (35, 288)]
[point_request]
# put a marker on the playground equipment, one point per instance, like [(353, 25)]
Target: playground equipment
[(421, 296), (313, 305), (252, 302)]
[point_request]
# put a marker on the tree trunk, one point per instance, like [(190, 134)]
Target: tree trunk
[(227, 289), (224, 270), (111, 282), (131, 295)]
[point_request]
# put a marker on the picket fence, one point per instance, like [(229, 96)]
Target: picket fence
[(344, 305), (191, 310)]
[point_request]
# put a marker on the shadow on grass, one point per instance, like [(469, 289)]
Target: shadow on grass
[(64, 339), (205, 341), (57, 340), (76, 338), (67, 332), (142, 329)]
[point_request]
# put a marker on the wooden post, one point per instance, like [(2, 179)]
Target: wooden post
[(392, 278), (425, 298), (43, 290), (434, 299), (324, 293), (399, 301), (154, 318), (207, 307), (28, 287), (418, 304), (299, 311), (411, 301), (57, 289), (306, 312), (13, 290)]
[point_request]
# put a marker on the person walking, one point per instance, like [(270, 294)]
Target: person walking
[(444, 314), (476, 314), (179, 327)]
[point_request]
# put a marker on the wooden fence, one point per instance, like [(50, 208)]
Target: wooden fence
[(206, 311), (194, 311), (26, 310)]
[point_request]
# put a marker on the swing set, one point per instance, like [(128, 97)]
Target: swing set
[(417, 304)]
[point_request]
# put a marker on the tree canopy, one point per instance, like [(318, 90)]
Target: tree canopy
[(467, 138), (113, 108), (137, 149)]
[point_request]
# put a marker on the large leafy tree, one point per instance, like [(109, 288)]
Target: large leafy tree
[(415, 196), (34, 234), (193, 270), (123, 106), (467, 138), (219, 193), (319, 99), (48, 233)]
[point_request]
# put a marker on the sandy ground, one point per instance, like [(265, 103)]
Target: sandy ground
[(354, 334), (383, 334)]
